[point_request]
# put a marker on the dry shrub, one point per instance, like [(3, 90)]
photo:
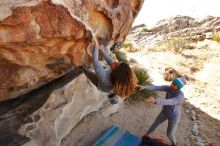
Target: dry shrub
[(128, 46), (170, 74), (216, 37), (194, 69), (176, 44)]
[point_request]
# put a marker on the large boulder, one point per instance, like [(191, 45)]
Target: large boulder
[(40, 40), (64, 108)]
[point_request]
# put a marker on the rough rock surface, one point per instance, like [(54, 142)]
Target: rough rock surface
[(14, 113), (63, 110), (41, 39), (184, 27)]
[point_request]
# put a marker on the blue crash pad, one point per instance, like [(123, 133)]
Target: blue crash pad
[(116, 136)]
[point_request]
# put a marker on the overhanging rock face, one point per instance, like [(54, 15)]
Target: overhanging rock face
[(40, 40)]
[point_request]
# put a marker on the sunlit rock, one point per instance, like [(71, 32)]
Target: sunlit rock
[(41, 39)]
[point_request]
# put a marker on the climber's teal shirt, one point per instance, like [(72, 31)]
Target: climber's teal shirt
[(102, 73), (173, 101)]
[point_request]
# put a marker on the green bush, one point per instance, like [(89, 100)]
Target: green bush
[(142, 75), (145, 30), (127, 44), (216, 37), (143, 79), (112, 55)]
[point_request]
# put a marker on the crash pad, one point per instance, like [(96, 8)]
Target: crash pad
[(115, 136)]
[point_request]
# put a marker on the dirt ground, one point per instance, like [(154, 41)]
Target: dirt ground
[(202, 65), (135, 118)]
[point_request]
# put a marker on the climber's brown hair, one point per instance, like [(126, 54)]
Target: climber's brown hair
[(123, 79)]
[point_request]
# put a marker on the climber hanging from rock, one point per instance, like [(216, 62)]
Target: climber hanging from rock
[(118, 80), (171, 107)]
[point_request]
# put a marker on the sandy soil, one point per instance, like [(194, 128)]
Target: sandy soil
[(135, 118), (202, 65)]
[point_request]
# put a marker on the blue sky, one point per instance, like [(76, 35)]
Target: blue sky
[(155, 10)]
